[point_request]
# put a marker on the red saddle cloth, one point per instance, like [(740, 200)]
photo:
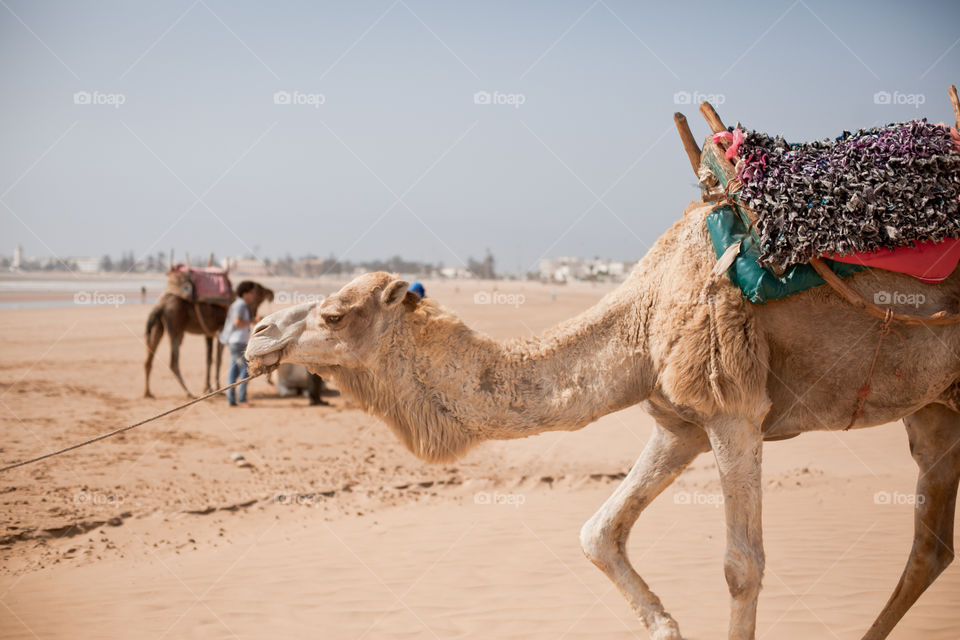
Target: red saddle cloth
[(209, 283), (927, 261)]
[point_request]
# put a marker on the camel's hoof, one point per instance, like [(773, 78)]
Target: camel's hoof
[(665, 628)]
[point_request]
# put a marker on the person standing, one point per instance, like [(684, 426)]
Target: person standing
[(235, 335)]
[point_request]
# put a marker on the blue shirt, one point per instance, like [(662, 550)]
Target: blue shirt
[(236, 335)]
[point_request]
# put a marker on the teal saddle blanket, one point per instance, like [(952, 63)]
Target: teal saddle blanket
[(759, 283)]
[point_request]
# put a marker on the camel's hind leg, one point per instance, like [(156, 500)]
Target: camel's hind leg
[(934, 433), (176, 339), (219, 346), (154, 336), (604, 536), (209, 344)]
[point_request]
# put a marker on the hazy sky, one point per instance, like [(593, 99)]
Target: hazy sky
[(382, 148)]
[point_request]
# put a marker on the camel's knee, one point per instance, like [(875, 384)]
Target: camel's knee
[(598, 544), (937, 557), (743, 569), (944, 559)]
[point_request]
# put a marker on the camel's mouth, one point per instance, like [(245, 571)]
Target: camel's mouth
[(265, 362), (275, 337)]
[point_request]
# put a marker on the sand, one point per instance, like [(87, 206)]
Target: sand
[(335, 531)]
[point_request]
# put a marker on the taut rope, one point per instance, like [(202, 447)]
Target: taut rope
[(110, 434)]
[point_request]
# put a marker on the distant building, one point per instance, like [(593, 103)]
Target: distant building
[(455, 273), (569, 269), (17, 263), (86, 265), (248, 267)]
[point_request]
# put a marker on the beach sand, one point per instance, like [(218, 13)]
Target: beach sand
[(336, 531)]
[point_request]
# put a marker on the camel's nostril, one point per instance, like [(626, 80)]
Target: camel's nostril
[(260, 329)]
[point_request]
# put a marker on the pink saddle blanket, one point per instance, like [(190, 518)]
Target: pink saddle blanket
[(209, 283)]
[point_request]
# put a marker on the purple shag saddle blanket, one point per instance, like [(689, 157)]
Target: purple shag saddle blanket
[(884, 187)]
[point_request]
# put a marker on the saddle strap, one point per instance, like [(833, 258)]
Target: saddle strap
[(854, 298), (203, 325)]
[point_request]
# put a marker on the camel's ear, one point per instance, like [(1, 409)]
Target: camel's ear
[(394, 293)]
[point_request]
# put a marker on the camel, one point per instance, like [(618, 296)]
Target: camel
[(716, 372), (179, 317)]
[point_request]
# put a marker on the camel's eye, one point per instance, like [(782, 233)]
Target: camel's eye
[(331, 318)]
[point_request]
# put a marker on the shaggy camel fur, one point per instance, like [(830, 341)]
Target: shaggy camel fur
[(180, 317), (716, 372)]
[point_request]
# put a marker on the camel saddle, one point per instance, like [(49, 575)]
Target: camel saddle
[(909, 225), (210, 285)]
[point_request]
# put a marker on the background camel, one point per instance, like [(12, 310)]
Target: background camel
[(178, 317), (715, 371)]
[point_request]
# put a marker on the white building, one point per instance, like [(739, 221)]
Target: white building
[(455, 273), (86, 265), (567, 269), (248, 267)]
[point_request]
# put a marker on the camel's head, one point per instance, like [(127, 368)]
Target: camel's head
[(261, 295), (343, 330), (179, 279)]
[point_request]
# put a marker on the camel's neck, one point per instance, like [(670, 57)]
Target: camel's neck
[(454, 387)]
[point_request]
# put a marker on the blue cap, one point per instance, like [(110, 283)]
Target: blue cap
[(418, 289)]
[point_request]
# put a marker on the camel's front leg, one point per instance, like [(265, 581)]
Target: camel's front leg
[(175, 341), (738, 444), (604, 536)]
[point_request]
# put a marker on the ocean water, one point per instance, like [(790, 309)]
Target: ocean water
[(19, 291)]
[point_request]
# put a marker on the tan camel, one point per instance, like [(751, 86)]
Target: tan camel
[(717, 373)]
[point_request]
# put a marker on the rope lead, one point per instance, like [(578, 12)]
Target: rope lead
[(126, 428)]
